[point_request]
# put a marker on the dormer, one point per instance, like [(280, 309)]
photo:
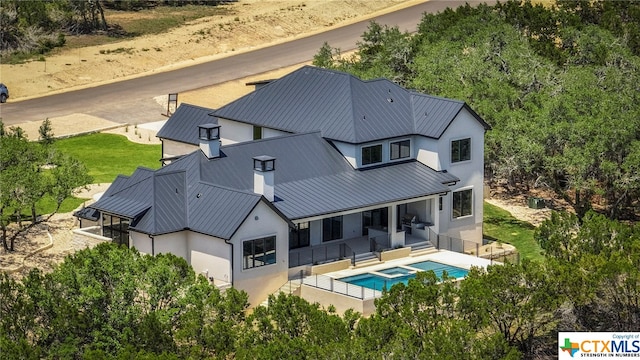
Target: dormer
[(385, 151)]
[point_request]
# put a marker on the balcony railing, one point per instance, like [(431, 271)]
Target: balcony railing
[(339, 287), (444, 242), (321, 254)]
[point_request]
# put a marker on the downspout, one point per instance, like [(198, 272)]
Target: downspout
[(153, 242), (230, 244)]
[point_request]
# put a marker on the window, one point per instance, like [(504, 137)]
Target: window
[(462, 203), (259, 252), (257, 132), (460, 150), (332, 228), (116, 228), (299, 237), (400, 149), (371, 154), (377, 217), (440, 203)]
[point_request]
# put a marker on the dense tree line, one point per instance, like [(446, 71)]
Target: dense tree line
[(30, 27), (29, 172), (113, 302), (560, 86)]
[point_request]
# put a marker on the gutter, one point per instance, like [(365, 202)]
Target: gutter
[(231, 272), (153, 243)]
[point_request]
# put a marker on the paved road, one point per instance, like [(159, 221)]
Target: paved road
[(131, 101)]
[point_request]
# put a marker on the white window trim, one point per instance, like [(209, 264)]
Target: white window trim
[(470, 150)]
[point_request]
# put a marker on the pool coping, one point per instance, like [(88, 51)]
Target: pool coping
[(444, 257)]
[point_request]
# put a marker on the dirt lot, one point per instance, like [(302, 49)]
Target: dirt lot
[(245, 25)]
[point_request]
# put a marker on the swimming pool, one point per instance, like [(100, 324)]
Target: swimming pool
[(386, 278)]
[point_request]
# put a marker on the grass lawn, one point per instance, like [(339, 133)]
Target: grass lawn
[(108, 155), (500, 225)]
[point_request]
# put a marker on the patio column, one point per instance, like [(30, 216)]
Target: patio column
[(396, 237)]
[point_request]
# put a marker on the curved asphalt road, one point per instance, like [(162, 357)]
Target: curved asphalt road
[(131, 101)]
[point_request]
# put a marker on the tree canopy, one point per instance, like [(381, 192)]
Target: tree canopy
[(30, 172), (559, 86), (30, 27), (113, 302)]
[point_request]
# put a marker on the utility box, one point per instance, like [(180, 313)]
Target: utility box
[(536, 203)]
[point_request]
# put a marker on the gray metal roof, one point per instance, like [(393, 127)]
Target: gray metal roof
[(214, 196), (360, 188), (183, 124), (343, 107)]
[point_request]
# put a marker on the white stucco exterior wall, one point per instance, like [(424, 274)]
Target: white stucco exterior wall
[(471, 174), (140, 241), (172, 148), (174, 243), (269, 133), (261, 281), (427, 152), (232, 132), (209, 255)]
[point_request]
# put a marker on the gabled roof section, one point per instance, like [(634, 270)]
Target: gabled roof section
[(219, 211), (343, 107), (182, 126)]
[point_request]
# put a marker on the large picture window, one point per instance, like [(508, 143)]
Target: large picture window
[(332, 228), (462, 203), (259, 252), (460, 150), (371, 154), (300, 237), (400, 149)]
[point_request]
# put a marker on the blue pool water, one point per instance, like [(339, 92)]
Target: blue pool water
[(377, 282)]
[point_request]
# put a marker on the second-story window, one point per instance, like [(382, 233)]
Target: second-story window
[(371, 154), (461, 150), (400, 149)]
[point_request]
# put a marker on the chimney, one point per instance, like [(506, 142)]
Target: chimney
[(263, 170), (209, 135)]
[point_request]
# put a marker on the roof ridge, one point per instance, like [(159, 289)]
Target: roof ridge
[(197, 106), (419, 94), (132, 185)]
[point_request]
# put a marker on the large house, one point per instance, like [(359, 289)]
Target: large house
[(315, 166)]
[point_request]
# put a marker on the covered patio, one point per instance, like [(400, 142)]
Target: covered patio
[(357, 249)]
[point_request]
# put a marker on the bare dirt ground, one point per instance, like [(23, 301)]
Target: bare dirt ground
[(241, 26), (245, 25)]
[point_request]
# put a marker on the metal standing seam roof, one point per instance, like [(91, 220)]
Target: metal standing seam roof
[(343, 107), (183, 124), (214, 196), (360, 188)]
